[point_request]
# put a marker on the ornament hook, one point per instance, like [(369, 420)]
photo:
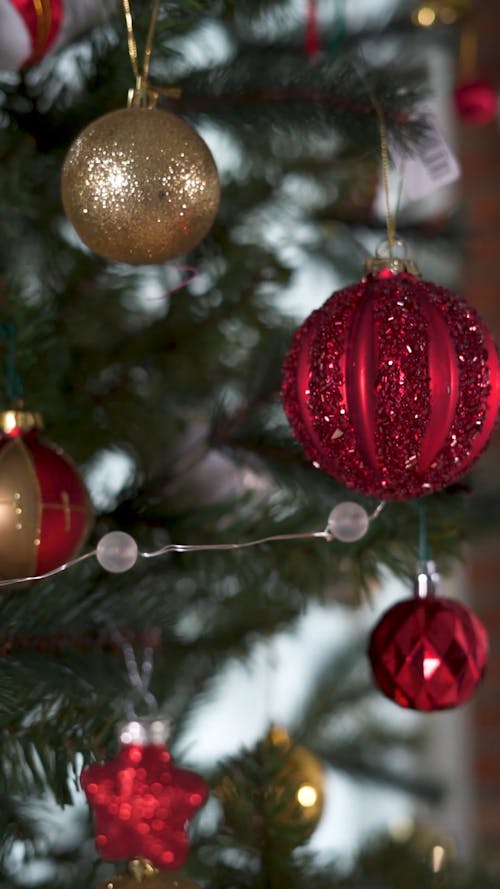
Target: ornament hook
[(393, 257), (397, 250), (142, 95), (140, 868)]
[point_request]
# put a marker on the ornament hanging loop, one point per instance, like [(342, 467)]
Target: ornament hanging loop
[(142, 95), (387, 258), (140, 680), (386, 250), (141, 868)]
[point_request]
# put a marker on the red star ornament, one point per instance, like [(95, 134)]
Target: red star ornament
[(142, 803)]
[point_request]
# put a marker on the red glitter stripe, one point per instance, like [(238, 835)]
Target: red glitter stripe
[(402, 386), (477, 407)]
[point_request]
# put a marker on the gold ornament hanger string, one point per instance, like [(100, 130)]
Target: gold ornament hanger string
[(145, 95), (142, 92), (149, 40), (390, 221)]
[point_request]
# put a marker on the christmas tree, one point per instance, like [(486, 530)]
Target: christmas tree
[(160, 375)]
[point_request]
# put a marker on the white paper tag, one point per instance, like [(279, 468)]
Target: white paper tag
[(432, 166)]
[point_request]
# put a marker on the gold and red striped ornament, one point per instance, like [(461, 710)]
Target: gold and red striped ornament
[(30, 29), (45, 511)]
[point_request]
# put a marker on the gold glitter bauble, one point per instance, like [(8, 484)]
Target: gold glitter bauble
[(293, 797), (303, 773), (140, 186)]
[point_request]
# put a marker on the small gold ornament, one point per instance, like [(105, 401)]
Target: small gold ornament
[(142, 875), (292, 796), (303, 772), (140, 186)]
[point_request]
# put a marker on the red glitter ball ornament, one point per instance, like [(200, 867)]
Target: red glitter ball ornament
[(476, 102), (45, 512), (393, 386), (428, 654), (142, 804)]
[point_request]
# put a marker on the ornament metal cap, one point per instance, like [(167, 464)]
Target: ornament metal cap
[(391, 257), (142, 95), (145, 730), (21, 420), (141, 869), (427, 580), (277, 734), (146, 96)]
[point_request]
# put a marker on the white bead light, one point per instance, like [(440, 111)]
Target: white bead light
[(117, 552), (348, 522)]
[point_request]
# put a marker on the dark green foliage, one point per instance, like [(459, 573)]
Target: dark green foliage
[(178, 385), (387, 864)]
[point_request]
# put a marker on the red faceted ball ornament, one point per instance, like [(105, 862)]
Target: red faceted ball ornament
[(393, 386), (428, 654), (45, 512), (476, 102)]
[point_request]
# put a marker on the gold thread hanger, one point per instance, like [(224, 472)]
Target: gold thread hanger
[(143, 95), (386, 256), (384, 154)]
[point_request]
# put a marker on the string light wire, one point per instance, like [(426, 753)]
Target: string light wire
[(327, 534)]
